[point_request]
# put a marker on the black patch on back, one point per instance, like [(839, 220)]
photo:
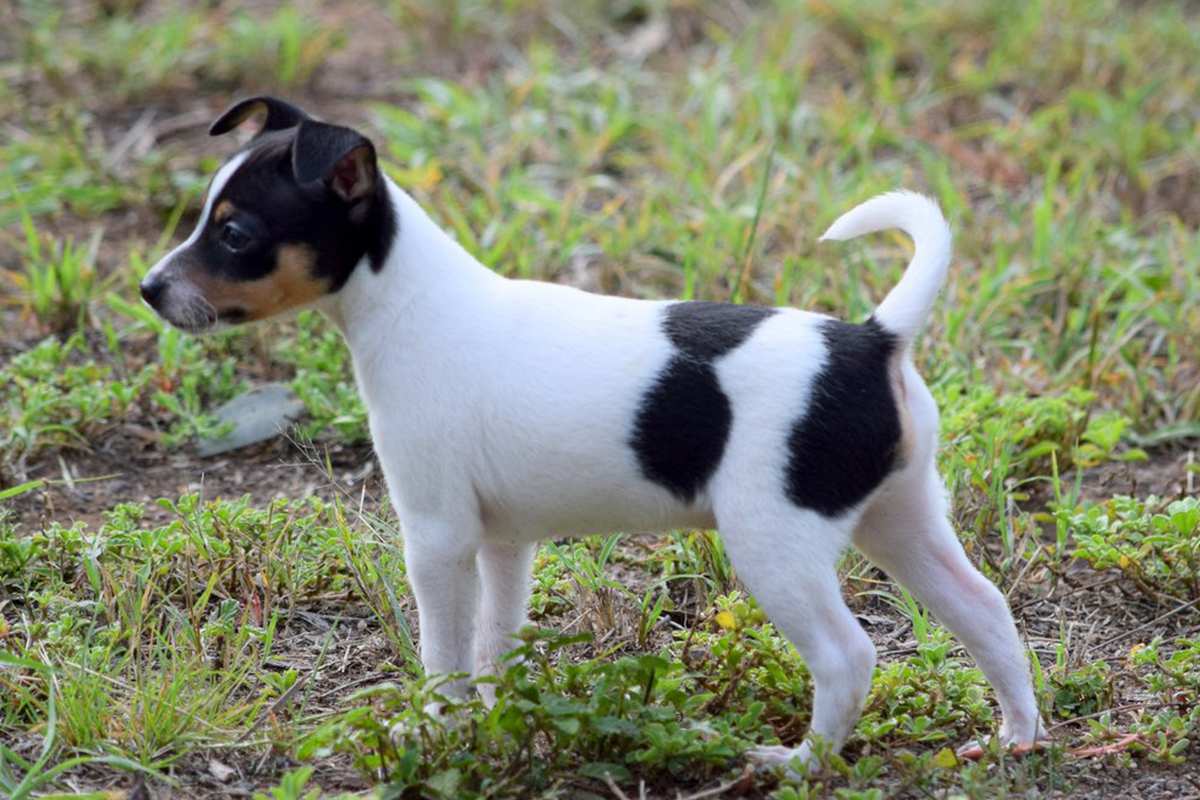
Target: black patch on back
[(683, 423), (269, 201), (706, 331), (846, 443)]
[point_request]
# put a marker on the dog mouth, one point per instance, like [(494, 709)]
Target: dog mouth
[(198, 316), (233, 316), (186, 308), (194, 315)]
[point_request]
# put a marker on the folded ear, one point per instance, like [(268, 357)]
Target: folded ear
[(342, 158), (279, 114)]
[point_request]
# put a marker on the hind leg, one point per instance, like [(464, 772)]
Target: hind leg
[(906, 533), (788, 560)]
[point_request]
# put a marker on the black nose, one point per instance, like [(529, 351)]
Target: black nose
[(152, 291)]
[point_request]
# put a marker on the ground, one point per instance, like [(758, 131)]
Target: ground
[(172, 625)]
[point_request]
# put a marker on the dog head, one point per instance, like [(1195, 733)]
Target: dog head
[(285, 221)]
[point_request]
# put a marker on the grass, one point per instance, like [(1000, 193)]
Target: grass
[(159, 628)]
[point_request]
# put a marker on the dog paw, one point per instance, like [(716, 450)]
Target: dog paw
[(798, 761), (977, 749), (436, 713)]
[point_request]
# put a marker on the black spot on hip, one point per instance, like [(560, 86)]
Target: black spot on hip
[(683, 421), (846, 443)]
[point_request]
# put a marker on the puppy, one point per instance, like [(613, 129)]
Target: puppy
[(507, 411)]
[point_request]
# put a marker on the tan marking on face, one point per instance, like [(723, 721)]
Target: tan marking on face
[(223, 211), (290, 285)]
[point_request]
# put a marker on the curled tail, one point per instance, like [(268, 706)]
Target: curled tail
[(906, 307)]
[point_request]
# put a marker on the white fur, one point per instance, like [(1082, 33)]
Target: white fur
[(183, 303), (907, 306), (214, 191), (502, 412)]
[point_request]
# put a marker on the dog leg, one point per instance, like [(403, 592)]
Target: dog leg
[(439, 556), (504, 570), (907, 534), (788, 561)]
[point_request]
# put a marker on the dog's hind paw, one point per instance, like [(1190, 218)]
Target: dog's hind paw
[(975, 750)]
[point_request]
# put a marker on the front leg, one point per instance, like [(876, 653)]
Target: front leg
[(439, 555), (505, 571)]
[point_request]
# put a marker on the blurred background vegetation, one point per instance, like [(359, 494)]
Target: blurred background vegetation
[(650, 148)]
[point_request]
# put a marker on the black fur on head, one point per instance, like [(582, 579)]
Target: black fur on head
[(280, 114), (304, 203)]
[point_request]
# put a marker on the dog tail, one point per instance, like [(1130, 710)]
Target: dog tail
[(906, 307)]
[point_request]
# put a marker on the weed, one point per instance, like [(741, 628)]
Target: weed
[(650, 150), (1082, 692), (291, 787), (58, 281), (1152, 542), (548, 717), (323, 380), (288, 45)]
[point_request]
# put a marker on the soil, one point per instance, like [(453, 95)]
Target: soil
[(1098, 612)]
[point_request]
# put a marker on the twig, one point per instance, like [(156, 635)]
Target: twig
[(719, 789), (612, 787), (340, 688), (748, 251), (1107, 749), (1115, 710), (139, 130), (1068, 593), (1024, 571), (1145, 625), (278, 704), (170, 126)]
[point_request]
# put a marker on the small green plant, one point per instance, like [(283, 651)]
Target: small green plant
[(697, 559), (291, 787), (601, 595), (61, 393), (572, 715), (57, 287), (20, 778), (930, 698), (323, 380), (287, 45), (1081, 692), (57, 281), (138, 55), (55, 395), (1154, 544), (648, 149)]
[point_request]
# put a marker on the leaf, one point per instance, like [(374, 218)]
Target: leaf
[(445, 783), (598, 769), (568, 725), (945, 759), (614, 725), (20, 489)]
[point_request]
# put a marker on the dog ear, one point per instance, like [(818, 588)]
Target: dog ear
[(280, 115), (342, 158)]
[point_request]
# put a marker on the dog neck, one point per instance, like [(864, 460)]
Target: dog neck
[(424, 275)]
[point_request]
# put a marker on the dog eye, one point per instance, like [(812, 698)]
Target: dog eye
[(235, 238)]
